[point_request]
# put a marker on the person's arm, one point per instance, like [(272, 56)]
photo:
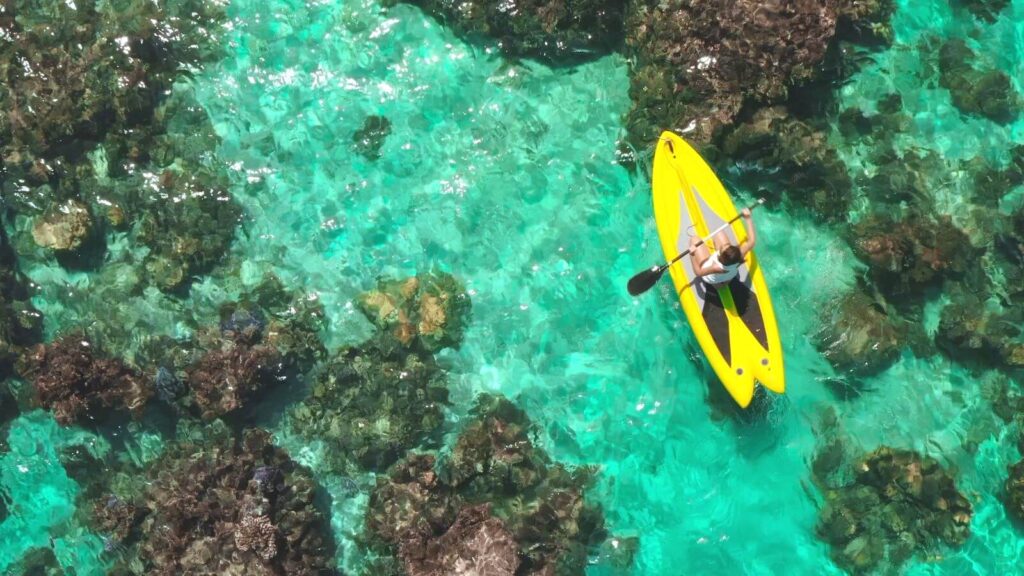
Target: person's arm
[(748, 244)]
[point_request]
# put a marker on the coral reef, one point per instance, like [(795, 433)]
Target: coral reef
[(1014, 491), (367, 140), (987, 93), (909, 177), (190, 229), (429, 311), (906, 257), (290, 323), (537, 504), (65, 226), (118, 519), (20, 323), (114, 66), (258, 535), (991, 183), (267, 339), (563, 32), (698, 64), (213, 511), (372, 403), (899, 503), (785, 155), (974, 330), (865, 23), (475, 543), (222, 381), (73, 381), (986, 10), (879, 128), (81, 154)]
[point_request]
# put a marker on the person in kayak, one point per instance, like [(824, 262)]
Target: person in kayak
[(720, 268)]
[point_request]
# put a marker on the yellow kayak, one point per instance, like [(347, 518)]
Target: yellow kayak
[(734, 325)]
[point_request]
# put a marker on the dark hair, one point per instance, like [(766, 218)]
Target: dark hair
[(729, 256)]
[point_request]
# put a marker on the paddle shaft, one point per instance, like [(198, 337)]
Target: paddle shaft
[(704, 240)]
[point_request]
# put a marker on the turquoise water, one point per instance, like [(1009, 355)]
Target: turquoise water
[(42, 495), (504, 174)]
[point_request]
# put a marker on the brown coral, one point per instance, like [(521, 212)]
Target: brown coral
[(233, 507), (476, 543), (540, 504), (72, 382), (225, 380), (777, 150), (698, 63)]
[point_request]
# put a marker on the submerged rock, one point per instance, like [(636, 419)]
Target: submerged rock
[(859, 338), (789, 156), (899, 504), (71, 380), (562, 32), (371, 404), (906, 257)]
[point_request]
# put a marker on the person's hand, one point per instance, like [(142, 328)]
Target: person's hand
[(746, 213)]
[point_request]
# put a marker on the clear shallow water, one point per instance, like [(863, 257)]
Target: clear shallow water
[(504, 174)]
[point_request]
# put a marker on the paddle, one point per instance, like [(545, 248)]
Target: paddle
[(643, 281)]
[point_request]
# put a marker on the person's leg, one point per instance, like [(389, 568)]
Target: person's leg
[(698, 254)]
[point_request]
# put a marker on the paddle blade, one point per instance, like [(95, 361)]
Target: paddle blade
[(643, 281)]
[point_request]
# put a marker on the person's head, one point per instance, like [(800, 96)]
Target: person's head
[(730, 255)]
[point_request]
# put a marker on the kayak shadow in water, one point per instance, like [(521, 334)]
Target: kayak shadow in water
[(759, 428)]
